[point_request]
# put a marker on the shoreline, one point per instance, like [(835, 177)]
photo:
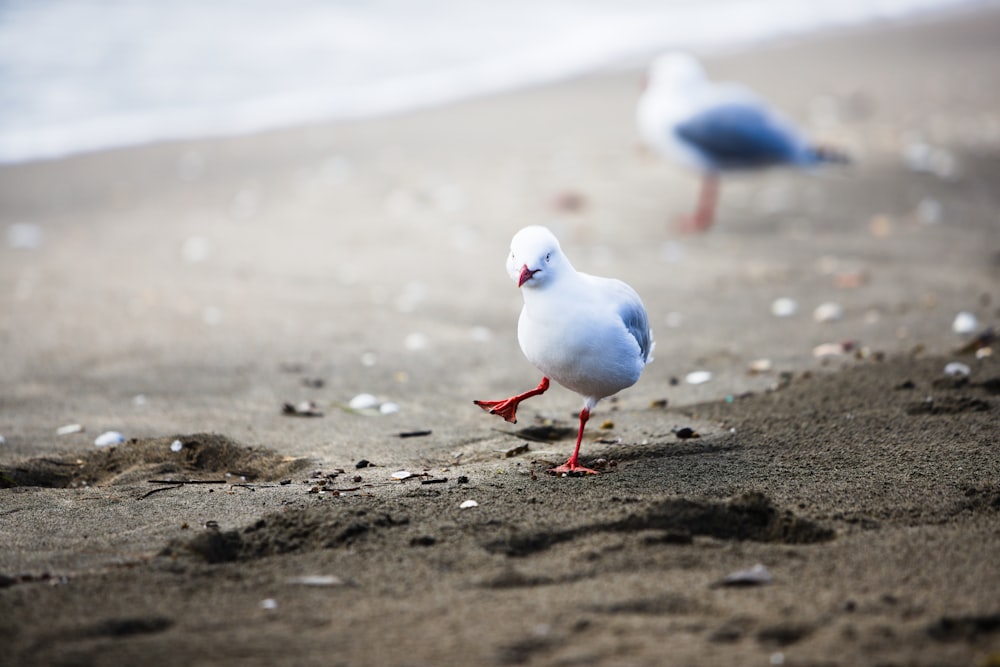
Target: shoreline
[(622, 65)]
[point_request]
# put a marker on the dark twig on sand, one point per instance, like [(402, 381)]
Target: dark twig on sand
[(162, 488), (187, 481)]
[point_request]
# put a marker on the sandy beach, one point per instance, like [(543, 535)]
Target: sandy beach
[(184, 293)]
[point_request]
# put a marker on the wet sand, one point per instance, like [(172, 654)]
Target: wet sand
[(187, 291)]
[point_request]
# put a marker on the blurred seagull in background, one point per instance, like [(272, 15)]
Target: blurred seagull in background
[(714, 128), (589, 334)]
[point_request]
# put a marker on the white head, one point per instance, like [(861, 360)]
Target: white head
[(535, 257), (676, 71)]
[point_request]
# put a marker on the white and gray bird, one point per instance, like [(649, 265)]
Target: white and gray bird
[(589, 334), (716, 127)]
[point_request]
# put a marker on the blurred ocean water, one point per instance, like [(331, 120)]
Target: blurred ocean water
[(85, 75)]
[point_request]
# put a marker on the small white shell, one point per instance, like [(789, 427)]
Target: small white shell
[(363, 402), (467, 504), (69, 429), (828, 312), (957, 369), (965, 323), (698, 377), (756, 575), (784, 307), (109, 439), (389, 408), (402, 474), (317, 580), (176, 446)]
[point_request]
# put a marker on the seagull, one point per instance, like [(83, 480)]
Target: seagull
[(589, 334), (716, 127)]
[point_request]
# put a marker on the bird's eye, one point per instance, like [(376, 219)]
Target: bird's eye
[(548, 257)]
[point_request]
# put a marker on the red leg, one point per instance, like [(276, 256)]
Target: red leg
[(572, 466), (703, 216), (507, 408)]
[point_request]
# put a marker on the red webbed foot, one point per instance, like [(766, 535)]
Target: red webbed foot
[(572, 468), (506, 408)]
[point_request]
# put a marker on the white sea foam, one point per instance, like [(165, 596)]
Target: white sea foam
[(83, 75)]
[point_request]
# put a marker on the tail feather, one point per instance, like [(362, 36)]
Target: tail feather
[(830, 155)]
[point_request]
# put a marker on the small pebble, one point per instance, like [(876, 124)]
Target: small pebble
[(929, 211), (109, 439), (176, 446), (481, 334), (69, 429), (388, 408), (760, 365), (698, 377), (784, 307), (415, 341), (269, 603), (965, 323), (957, 369), (467, 504), (196, 249), (3, 440), (24, 236), (828, 312)]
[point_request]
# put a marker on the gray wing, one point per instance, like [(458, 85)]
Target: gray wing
[(741, 135), (633, 315)]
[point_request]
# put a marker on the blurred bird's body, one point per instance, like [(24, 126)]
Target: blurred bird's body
[(715, 128)]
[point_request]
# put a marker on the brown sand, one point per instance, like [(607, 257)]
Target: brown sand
[(870, 494)]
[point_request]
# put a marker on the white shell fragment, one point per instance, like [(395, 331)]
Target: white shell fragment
[(698, 377), (109, 439), (755, 576), (69, 429), (389, 408), (363, 402), (784, 307), (416, 341), (957, 369), (3, 440), (468, 504), (403, 474), (176, 446), (269, 603), (828, 312), (965, 323), (760, 365), (829, 350), (317, 580)]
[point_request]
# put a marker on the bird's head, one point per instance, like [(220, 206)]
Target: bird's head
[(535, 257), (675, 71)]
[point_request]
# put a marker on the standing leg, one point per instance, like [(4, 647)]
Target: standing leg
[(704, 214), (507, 408), (572, 466)]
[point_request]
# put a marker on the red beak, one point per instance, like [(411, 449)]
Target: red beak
[(526, 274)]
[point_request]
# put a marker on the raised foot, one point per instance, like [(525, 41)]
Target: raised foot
[(572, 469), (506, 408)]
